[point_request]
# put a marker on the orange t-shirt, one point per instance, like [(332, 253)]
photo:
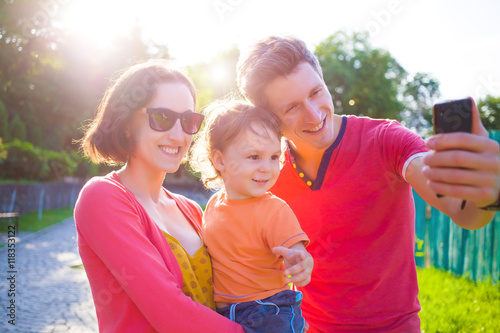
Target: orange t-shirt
[(239, 235)]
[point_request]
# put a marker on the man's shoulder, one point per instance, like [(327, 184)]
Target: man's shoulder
[(381, 128), (368, 121)]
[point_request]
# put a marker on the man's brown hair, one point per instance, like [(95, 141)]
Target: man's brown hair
[(268, 59)]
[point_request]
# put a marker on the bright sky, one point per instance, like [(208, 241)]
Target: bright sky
[(458, 41)]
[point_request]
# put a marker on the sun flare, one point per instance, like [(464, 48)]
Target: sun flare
[(99, 21)]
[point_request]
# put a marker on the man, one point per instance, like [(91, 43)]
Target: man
[(348, 179)]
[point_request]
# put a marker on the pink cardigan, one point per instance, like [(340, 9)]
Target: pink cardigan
[(135, 279)]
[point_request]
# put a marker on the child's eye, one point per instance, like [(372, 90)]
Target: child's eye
[(253, 157), (275, 157)]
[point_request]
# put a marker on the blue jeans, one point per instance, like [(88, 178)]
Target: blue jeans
[(278, 313)]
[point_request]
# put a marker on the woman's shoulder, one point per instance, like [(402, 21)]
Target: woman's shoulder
[(102, 188)]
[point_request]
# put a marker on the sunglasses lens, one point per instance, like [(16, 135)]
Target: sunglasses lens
[(162, 120), (191, 122)]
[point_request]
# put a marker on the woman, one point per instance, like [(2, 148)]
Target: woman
[(140, 244)]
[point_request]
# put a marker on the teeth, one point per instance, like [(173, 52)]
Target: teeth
[(317, 128), (171, 151), (260, 181)]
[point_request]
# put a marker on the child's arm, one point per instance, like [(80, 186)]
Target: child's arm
[(299, 263)]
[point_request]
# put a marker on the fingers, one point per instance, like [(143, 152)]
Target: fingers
[(488, 161), (300, 280), (290, 256), (463, 141), (465, 166), (460, 176), (477, 125), (300, 274), (299, 263), (280, 251)]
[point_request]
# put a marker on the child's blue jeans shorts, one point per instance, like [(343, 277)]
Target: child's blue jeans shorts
[(278, 313)]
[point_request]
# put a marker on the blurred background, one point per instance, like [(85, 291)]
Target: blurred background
[(384, 59), (380, 58)]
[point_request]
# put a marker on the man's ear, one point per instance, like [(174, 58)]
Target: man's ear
[(218, 160)]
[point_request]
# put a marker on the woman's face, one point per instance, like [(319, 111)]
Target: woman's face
[(162, 151)]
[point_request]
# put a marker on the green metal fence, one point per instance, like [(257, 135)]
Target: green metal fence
[(442, 244)]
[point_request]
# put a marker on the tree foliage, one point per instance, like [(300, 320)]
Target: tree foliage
[(17, 129), (3, 152), (367, 81), (489, 108), (362, 80), (51, 81), (52, 77), (420, 94), (4, 122), (216, 78)]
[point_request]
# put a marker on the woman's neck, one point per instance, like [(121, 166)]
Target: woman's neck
[(143, 182)]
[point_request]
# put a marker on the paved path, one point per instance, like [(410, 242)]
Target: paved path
[(50, 296)]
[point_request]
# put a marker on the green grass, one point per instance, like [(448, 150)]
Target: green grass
[(31, 223), (456, 304)]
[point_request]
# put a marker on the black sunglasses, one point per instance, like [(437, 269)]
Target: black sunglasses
[(163, 119)]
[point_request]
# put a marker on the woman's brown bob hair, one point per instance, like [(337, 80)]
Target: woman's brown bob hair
[(105, 139)]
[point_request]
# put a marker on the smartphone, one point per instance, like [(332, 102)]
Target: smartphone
[(453, 116)]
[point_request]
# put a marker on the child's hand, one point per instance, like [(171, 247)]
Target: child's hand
[(299, 263)]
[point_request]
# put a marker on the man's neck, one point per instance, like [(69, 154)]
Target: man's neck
[(307, 160)]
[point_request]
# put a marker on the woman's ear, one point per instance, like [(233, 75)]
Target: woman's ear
[(218, 160)]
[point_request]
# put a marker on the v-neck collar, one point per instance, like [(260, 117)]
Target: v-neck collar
[(325, 160)]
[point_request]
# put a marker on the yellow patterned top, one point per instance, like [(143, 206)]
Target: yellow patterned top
[(196, 272)]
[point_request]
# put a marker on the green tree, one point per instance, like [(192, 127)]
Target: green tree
[(17, 129), (420, 94), (489, 108), (367, 81), (362, 80), (216, 78), (4, 122), (54, 76), (23, 162), (3, 152)]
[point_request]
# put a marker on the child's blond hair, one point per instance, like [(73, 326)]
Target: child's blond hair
[(224, 121)]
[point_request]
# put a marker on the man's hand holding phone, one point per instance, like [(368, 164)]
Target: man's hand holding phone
[(462, 165)]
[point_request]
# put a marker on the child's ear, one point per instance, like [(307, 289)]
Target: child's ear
[(128, 132), (218, 160)]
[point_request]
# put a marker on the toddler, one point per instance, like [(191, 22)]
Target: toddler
[(245, 227)]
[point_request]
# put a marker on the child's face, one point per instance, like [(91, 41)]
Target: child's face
[(249, 164)]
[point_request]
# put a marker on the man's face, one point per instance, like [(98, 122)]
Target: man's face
[(304, 105)]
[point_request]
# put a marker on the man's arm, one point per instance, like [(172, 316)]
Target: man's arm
[(461, 166)]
